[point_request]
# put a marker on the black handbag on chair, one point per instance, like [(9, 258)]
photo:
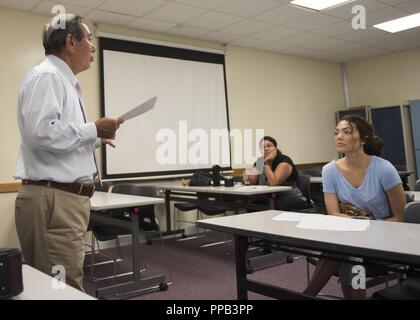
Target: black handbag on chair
[(201, 178), (11, 283)]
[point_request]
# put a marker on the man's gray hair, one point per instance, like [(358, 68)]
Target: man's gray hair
[(55, 32)]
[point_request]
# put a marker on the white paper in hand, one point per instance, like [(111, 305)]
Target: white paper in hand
[(143, 108)]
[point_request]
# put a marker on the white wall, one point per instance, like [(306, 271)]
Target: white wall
[(385, 81)]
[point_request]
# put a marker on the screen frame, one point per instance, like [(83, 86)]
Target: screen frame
[(157, 50)]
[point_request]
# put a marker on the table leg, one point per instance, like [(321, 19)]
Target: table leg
[(168, 210), (241, 247), (137, 284)]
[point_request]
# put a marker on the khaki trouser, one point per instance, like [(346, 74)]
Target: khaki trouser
[(51, 225)]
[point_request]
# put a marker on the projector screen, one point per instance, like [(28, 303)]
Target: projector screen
[(179, 134)]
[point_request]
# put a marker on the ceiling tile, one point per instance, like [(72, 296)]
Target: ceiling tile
[(382, 15), (151, 25), (275, 47), (132, 7), (329, 44), (392, 42), (220, 37), (213, 20), (186, 31), (359, 35), (206, 4), (109, 17), (283, 14), (45, 7), (275, 33), (313, 21), (20, 5), (247, 27), (301, 39), (392, 2), (411, 33), (83, 3), (248, 42), (334, 29), (412, 6), (345, 11), (317, 54), (248, 8), (175, 12)]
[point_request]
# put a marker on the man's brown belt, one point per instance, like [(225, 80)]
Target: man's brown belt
[(76, 188)]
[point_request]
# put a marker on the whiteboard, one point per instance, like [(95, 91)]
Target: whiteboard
[(190, 87)]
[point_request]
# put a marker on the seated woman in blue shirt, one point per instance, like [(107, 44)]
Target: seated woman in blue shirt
[(360, 179), (275, 169)]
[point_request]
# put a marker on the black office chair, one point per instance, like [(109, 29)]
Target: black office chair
[(104, 187), (148, 224), (206, 207), (409, 289), (417, 186), (103, 232), (304, 185), (312, 172), (412, 212), (375, 274), (183, 207), (409, 196)]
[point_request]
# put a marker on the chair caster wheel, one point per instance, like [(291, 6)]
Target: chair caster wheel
[(289, 259), (183, 236), (163, 286), (149, 242)]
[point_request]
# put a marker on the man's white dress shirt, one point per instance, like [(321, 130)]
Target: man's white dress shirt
[(56, 141)]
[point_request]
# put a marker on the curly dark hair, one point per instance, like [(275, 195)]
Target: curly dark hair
[(373, 144)]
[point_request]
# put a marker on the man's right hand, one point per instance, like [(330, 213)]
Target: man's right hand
[(106, 127)]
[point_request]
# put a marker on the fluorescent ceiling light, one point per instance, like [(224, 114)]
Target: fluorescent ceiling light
[(400, 24), (319, 4)]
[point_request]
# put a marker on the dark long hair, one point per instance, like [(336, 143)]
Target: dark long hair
[(373, 144), (272, 140)]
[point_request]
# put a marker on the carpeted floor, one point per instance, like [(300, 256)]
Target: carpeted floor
[(201, 273)]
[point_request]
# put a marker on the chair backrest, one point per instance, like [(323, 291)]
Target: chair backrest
[(412, 212), (409, 196), (312, 172), (417, 186), (122, 188), (305, 186), (104, 187), (147, 218)]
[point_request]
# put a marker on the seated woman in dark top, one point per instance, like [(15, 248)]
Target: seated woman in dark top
[(277, 169)]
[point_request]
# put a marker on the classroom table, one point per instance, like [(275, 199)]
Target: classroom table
[(40, 286), (391, 242), (102, 204), (177, 192)]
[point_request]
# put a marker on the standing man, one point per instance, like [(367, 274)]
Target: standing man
[(57, 161)]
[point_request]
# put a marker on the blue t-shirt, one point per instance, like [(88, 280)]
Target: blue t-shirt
[(380, 177)]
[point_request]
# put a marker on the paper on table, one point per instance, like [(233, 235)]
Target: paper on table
[(290, 216), (140, 109), (332, 223), (251, 187)]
